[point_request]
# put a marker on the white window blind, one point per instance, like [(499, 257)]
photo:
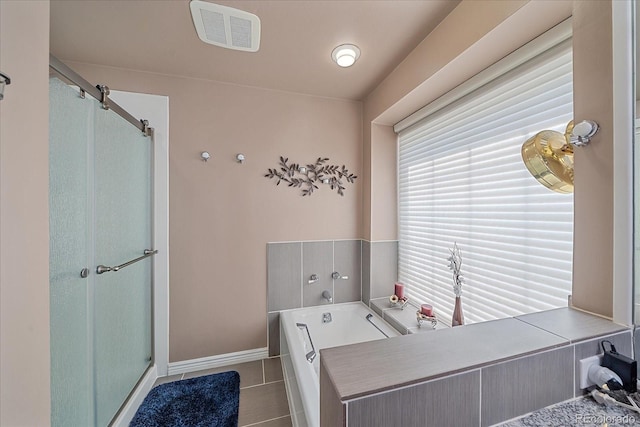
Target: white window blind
[(462, 179)]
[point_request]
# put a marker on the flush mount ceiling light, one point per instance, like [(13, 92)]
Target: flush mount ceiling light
[(346, 55), (548, 155)]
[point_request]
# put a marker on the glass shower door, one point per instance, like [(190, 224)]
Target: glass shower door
[(123, 232), (100, 214), (71, 320)]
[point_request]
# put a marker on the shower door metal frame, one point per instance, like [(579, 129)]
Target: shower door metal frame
[(100, 92)]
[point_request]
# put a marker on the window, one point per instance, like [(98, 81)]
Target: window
[(462, 179)]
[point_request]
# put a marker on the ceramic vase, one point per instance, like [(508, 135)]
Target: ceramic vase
[(458, 318)]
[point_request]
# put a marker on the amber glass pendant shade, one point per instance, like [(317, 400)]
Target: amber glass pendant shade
[(548, 156)]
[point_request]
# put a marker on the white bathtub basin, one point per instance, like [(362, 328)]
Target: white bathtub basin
[(348, 326)]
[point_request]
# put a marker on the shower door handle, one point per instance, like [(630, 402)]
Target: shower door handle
[(104, 269)]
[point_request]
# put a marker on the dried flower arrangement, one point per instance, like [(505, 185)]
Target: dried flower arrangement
[(455, 263)]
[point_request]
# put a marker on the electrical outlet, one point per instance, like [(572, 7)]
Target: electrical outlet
[(585, 364)]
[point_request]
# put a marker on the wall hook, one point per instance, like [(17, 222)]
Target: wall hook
[(240, 158), (205, 155)]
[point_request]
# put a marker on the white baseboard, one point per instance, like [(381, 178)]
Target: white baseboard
[(131, 406), (211, 362)]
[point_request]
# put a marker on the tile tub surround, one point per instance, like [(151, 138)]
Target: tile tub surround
[(289, 265), (382, 269), (502, 352)]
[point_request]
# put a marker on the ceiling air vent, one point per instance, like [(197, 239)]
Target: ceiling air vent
[(225, 26)]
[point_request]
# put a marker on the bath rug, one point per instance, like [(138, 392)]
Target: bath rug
[(211, 401)]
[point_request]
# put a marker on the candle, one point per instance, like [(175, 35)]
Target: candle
[(399, 290), (426, 309)]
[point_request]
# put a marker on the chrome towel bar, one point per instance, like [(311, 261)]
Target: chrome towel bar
[(104, 269), (369, 317), (312, 354)]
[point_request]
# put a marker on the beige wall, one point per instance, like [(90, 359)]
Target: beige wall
[(222, 213), (593, 197), (384, 183), (24, 215)]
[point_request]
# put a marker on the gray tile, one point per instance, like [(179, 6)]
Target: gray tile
[(572, 324), (455, 401), (378, 305), (262, 403), (406, 317), (332, 410), (317, 258), (452, 401), (272, 369), (347, 257), (168, 379), (250, 373), (273, 320), (398, 326), (426, 327), (278, 422), (366, 271), (514, 388), (284, 274), (384, 268), (585, 349), (422, 357)]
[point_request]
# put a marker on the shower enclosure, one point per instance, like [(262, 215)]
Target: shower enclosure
[(101, 248)]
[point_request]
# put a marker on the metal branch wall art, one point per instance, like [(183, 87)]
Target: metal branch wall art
[(308, 177)]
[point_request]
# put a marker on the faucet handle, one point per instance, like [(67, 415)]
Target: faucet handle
[(313, 278), (335, 276)]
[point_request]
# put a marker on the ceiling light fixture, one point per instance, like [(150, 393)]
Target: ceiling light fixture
[(345, 55)]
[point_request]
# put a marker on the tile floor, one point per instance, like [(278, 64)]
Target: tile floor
[(263, 399)]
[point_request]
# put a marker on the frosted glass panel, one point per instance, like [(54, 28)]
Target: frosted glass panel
[(123, 232), (71, 388), (100, 213)]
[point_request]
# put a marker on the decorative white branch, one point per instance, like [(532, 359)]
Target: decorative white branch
[(455, 263)]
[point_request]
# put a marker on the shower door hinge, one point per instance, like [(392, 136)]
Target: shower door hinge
[(104, 99), (146, 130)]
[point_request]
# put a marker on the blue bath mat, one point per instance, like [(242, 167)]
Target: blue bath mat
[(209, 401)]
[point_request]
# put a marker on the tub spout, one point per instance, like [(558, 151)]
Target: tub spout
[(327, 295)]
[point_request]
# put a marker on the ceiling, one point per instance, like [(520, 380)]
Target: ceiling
[(296, 40)]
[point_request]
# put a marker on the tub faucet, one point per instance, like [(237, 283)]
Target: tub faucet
[(327, 295)]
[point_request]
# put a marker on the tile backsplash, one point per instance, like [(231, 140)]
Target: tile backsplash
[(284, 268), (367, 270), (383, 273)]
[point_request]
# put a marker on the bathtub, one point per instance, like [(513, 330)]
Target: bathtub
[(348, 325)]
